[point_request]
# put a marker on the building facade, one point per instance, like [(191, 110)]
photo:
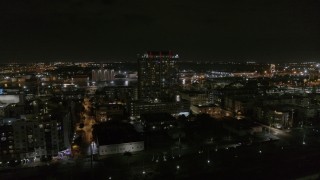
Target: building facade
[(33, 138), (136, 108), (99, 75), (157, 73), (121, 148)]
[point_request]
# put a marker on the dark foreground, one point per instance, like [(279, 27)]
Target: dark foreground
[(258, 161)]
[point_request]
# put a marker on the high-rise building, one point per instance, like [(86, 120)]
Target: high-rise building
[(157, 73), (33, 138), (272, 69)]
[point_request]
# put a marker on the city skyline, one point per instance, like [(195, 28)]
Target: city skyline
[(159, 119), (114, 30)]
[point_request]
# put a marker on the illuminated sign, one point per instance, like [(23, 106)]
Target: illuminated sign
[(1, 91)]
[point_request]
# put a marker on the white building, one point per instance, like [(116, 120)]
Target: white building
[(121, 148), (102, 75)]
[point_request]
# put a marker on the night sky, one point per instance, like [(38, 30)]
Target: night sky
[(104, 30)]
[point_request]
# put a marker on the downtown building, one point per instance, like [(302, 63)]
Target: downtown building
[(137, 108), (157, 85), (34, 137), (157, 74), (101, 74)]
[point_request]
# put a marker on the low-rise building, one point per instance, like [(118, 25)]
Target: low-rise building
[(114, 137), (212, 110), (109, 111), (121, 148), (195, 97), (136, 108)]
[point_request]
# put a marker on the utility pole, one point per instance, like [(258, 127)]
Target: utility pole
[(91, 155)]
